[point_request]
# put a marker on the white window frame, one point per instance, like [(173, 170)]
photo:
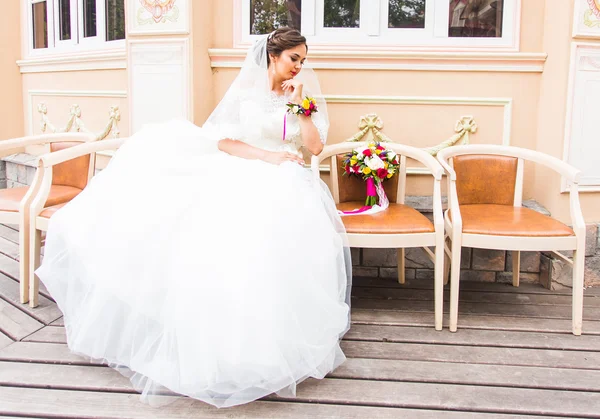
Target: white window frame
[(77, 43), (373, 30), (56, 18)]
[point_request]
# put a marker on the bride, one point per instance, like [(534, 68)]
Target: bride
[(207, 261)]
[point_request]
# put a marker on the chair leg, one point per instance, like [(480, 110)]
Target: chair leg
[(578, 272), (24, 261), (438, 284), (34, 263), (401, 266), (454, 283), (516, 260), (447, 261)]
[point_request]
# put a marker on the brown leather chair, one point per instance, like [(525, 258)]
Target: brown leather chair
[(400, 226), (485, 188), (74, 166), (15, 202)]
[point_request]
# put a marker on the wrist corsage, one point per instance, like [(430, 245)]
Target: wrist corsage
[(307, 107)]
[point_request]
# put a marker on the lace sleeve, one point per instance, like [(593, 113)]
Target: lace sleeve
[(322, 125)]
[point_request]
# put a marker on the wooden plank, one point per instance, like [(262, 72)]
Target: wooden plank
[(9, 248), (407, 334), (498, 338), (89, 378), (43, 353), (82, 404), (58, 322), (405, 366), (46, 312), (15, 323), (468, 286), (10, 268), (471, 296), (471, 321), (364, 392), (451, 397), (48, 334), (510, 310), (472, 354), (105, 379), (9, 233), (472, 374), (4, 340)]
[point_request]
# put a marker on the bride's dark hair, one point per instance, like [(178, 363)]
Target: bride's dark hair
[(282, 39)]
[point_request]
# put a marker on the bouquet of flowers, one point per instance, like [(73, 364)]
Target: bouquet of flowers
[(374, 163)]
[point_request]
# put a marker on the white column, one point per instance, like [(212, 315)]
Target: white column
[(158, 61)]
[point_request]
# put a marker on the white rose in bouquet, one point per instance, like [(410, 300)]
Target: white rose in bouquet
[(374, 163)]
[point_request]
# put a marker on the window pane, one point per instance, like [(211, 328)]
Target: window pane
[(268, 15), (476, 18), (115, 19), (341, 14), (89, 18), (406, 14), (40, 25), (64, 16)]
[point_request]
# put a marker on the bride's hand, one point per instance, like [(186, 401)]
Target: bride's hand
[(278, 157), (295, 87)]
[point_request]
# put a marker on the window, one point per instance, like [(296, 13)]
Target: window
[(434, 23), (63, 25)]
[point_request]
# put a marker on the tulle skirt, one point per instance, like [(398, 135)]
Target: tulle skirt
[(199, 273)]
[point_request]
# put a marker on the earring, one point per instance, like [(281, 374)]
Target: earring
[(273, 70)]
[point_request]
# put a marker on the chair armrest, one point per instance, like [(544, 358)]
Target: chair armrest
[(441, 158), (571, 173), (52, 159), (42, 182), (401, 149), (16, 145), (423, 157)]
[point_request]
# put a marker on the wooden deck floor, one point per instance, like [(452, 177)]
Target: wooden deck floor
[(513, 356)]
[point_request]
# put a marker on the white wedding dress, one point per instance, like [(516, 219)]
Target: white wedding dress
[(212, 276)]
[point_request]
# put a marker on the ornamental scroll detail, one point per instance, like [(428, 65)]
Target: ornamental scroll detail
[(75, 122), (591, 17), (158, 11), (370, 126)]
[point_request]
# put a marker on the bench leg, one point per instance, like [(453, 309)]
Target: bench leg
[(438, 283), (447, 244), (578, 271), (516, 260), (454, 283), (401, 266), (34, 263), (24, 261)]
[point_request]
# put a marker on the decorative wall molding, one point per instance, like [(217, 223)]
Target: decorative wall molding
[(81, 61), (505, 103), (402, 60), (74, 118), (114, 116), (581, 146), (372, 124), (67, 93)]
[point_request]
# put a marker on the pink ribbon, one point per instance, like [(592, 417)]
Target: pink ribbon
[(371, 191), (284, 124)]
